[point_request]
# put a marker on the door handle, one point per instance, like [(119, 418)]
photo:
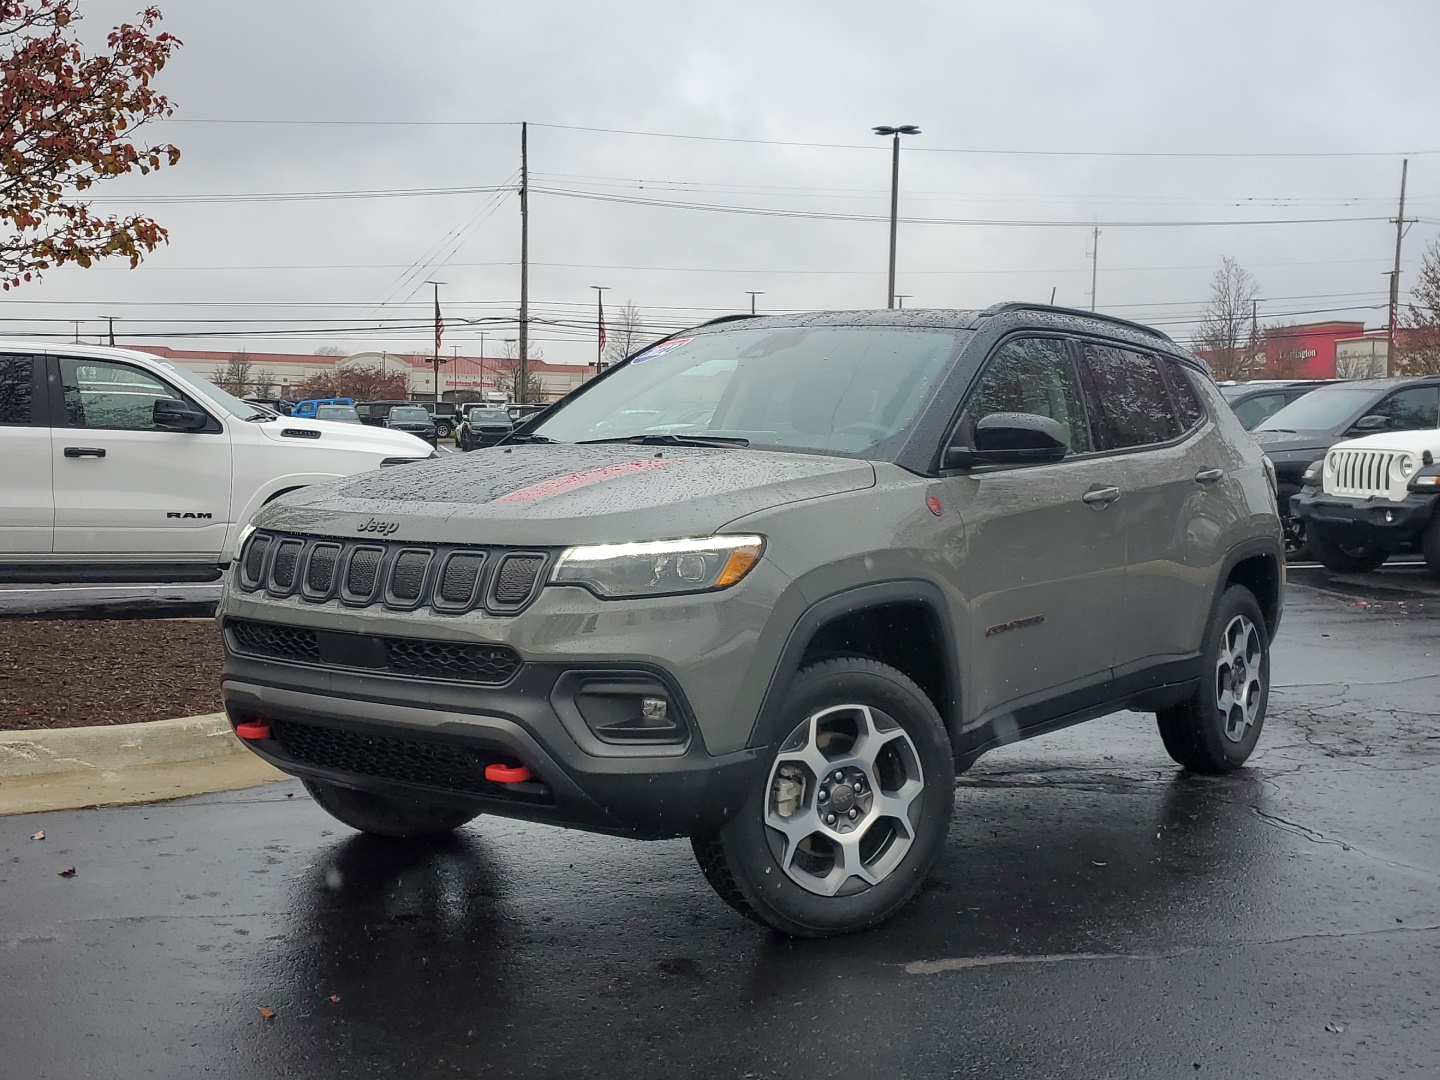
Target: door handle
[(1209, 476), (1101, 497), (84, 451)]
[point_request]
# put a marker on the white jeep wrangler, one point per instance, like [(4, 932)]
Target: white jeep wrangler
[(1370, 498)]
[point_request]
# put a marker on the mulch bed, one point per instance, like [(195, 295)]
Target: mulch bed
[(57, 673)]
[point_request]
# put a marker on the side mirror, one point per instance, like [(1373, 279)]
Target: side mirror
[(1372, 423), (171, 414), (1011, 439)]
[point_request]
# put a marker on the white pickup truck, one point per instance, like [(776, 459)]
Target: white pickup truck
[(116, 465)]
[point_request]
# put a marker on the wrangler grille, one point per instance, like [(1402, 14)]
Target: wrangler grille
[(451, 579), (446, 661), (1361, 473), (424, 762)]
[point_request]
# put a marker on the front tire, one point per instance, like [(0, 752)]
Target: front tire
[(1217, 729), (844, 826), (1430, 544), (1346, 558), (385, 815)]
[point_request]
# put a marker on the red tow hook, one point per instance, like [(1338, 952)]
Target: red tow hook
[(252, 731), (500, 773)]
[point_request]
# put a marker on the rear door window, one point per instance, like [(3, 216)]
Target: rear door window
[(1129, 404), (17, 388)]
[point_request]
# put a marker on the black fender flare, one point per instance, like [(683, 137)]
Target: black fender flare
[(1248, 549), (908, 590)]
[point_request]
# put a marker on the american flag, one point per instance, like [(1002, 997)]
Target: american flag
[(439, 325), (601, 304)]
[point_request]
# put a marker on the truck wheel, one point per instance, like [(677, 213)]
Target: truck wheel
[(443, 429), (1430, 544), (383, 815), (1217, 729), (852, 809), (1346, 558)]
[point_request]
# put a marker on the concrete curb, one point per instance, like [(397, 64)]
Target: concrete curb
[(70, 768)]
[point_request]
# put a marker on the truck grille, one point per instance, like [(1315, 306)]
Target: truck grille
[(447, 661), (424, 762), (402, 577), (1360, 473)]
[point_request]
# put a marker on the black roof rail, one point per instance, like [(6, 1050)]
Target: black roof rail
[(730, 318), (1023, 305)]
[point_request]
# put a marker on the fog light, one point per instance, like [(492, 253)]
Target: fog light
[(629, 709), (653, 708)]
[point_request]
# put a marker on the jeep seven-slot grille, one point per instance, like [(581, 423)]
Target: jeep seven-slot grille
[(425, 762), (447, 661), (357, 573), (1362, 473)]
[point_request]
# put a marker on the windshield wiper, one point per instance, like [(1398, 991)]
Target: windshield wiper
[(261, 416), (675, 440), (525, 438)]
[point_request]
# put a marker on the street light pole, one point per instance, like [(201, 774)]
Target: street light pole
[(752, 294), (111, 320), (901, 298), (600, 291), (439, 328), (896, 131)]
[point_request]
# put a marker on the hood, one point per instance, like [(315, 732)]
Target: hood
[(1286, 442), (560, 494), (1414, 442), (335, 435)]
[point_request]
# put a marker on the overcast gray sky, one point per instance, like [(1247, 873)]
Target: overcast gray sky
[(1055, 114)]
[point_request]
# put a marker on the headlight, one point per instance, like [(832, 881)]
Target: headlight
[(1332, 462), (1406, 465), (659, 567)]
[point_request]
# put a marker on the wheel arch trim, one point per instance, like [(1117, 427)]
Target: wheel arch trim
[(847, 602)]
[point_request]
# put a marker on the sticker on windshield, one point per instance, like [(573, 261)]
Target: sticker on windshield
[(661, 349)]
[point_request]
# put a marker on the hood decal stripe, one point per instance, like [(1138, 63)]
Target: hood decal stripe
[(559, 484)]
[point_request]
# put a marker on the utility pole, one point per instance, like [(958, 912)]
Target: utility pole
[(600, 291), (1094, 264), (1254, 330), (111, 320), (524, 372), (752, 294), (482, 365), (1395, 274), (77, 330), (435, 360)]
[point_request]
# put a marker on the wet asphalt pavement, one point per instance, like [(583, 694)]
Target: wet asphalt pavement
[(1096, 914)]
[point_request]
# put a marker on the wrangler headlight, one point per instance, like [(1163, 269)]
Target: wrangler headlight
[(659, 567), (1406, 464)]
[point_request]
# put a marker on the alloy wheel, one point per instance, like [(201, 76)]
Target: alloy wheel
[(843, 800), (1238, 683)]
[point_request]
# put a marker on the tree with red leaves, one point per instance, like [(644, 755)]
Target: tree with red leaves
[(67, 121)]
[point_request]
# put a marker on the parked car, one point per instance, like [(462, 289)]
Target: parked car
[(340, 414), (1374, 497), (415, 419), (520, 413), (482, 426), (1299, 434), (375, 413), (1260, 399), (119, 466), (897, 540), (446, 415), (307, 409)]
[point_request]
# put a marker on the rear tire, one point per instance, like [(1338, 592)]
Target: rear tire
[(1217, 729), (385, 815), (1345, 558), (860, 738)]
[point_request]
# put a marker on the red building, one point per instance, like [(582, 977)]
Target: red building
[(1306, 351)]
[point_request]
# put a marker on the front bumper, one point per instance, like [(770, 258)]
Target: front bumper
[(1392, 525), (431, 739)]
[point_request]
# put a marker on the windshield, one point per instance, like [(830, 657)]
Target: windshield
[(489, 416), (409, 414), (246, 410), (337, 412), (1319, 410), (827, 389)]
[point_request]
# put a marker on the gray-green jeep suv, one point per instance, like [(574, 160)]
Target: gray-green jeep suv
[(769, 584)]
